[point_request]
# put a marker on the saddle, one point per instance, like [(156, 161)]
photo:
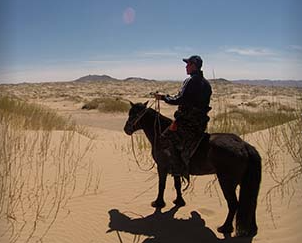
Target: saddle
[(191, 147)]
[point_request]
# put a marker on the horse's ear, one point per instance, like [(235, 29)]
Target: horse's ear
[(131, 104), (146, 103)]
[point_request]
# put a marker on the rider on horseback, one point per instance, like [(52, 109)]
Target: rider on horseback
[(185, 133)]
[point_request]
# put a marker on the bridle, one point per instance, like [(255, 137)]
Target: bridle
[(139, 116), (132, 124)]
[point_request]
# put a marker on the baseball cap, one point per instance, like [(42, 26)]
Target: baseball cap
[(194, 59)]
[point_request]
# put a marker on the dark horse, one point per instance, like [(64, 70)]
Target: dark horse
[(234, 161)]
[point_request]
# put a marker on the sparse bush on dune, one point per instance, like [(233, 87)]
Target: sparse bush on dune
[(91, 105), (107, 105), (243, 121), (251, 104), (39, 169), (113, 105), (32, 116), (285, 139)]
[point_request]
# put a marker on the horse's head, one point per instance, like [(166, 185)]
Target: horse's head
[(136, 112)]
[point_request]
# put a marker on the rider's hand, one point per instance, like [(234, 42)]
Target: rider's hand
[(158, 96)]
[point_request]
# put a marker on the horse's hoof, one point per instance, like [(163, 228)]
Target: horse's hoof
[(158, 204), (225, 229), (179, 202)]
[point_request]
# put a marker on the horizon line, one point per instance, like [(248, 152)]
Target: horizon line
[(148, 79)]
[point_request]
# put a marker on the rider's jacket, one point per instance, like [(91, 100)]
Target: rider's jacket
[(194, 93)]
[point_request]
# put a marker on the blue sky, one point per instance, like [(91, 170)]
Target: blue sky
[(61, 40)]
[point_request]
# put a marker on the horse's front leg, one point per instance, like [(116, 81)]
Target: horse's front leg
[(179, 201), (162, 175)]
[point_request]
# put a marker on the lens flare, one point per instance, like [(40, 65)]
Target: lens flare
[(129, 15)]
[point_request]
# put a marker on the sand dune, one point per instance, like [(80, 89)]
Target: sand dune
[(121, 212)]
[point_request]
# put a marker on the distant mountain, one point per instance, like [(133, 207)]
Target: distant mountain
[(138, 79), (263, 82), (95, 78), (220, 81), (100, 78), (275, 83)]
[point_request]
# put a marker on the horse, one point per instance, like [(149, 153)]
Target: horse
[(234, 161)]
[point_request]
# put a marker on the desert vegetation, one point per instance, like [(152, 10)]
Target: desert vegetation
[(242, 121), (107, 105), (31, 116), (42, 156)]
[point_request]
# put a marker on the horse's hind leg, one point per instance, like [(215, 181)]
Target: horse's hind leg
[(179, 201), (228, 187)]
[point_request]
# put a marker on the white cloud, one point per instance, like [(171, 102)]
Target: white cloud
[(233, 66), (295, 47), (158, 53), (251, 51), (175, 52)]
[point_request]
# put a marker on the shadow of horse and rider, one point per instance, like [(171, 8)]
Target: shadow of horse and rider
[(163, 227)]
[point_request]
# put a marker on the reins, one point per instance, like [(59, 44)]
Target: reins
[(136, 160), (156, 121), (156, 134)]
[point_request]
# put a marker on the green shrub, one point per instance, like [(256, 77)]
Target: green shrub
[(252, 104), (93, 104), (107, 105)]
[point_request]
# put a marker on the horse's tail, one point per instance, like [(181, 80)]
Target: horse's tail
[(249, 189)]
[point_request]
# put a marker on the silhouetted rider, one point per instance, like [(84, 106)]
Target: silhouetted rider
[(184, 134)]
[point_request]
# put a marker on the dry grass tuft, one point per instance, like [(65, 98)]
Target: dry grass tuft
[(39, 169), (107, 105), (32, 116), (243, 121)]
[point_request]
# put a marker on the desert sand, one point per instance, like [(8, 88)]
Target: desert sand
[(120, 210)]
